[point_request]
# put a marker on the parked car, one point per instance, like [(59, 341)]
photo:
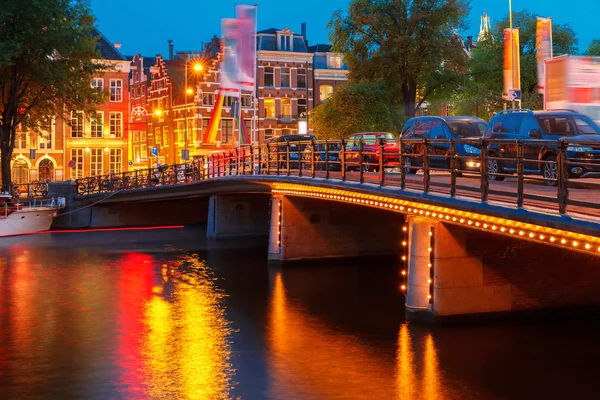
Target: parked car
[(551, 125), (278, 150), (323, 151), (448, 128), (371, 151)]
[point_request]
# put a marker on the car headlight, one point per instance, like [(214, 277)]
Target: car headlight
[(579, 149), (471, 149)]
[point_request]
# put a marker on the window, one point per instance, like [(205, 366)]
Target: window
[(180, 131), (116, 161), (96, 162), (20, 171), (208, 99), (301, 108), (585, 126), (116, 124), (46, 134), (97, 124), (116, 90), (269, 76), (157, 135), (46, 170), (335, 62), (301, 78), (510, 124), (135, 136), (77, 124), (143, 137), (136, 153), (98, 83), (165, 135), (248, 125), (226, 130), (77, 157), (246, 100), (285, 77), (205, 123), (144, 151), (269, 108), (325, 91), (268, 133), (529, 123), (286, 108), (20, 139)]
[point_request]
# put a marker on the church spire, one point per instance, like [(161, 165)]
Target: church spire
[(485, 29)]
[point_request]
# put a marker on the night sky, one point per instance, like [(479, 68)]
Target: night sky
[(145, 26)]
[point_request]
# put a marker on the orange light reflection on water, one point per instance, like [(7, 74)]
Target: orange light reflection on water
[(319, 361), (186, 348)]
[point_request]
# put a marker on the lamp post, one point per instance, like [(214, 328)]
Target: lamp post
[(198, 68), (512, 51)]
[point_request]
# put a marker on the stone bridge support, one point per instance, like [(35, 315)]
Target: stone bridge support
[(459, 272), (238, 215), (303, 228)]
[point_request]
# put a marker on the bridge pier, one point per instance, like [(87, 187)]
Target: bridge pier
[(305, 229), (470, 274), (235, 215)]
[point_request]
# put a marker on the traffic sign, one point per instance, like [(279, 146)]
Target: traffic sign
[(154, 151), (72, 164), (185, 154), (514, 94)]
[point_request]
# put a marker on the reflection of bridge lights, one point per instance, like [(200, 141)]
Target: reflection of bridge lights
[(552, 239), (521, 233), (588, 246), (575, 244), (563, 241)]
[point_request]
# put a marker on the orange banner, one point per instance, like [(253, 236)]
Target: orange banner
[(512, 64), (543, 47)]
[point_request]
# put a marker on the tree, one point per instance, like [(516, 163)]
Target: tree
[(409, 45), (481, 93), (47, 50), (354, 107), (594, 48)]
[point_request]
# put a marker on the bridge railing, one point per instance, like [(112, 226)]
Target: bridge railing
[(535, 172)]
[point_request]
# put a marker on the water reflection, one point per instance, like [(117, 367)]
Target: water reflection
[(185, 349), (320, 361)]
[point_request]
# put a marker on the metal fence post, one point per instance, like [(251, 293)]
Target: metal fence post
[(401, 161), (299, 159), (483, 161), (426, 173), (361, 173), (520, 173), (287, 157), (259, 159), (452, 168), (326, 159), (312, 158), (381, 161), (563, 178), (343, 159)]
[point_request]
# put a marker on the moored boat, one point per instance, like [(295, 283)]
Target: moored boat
[(18, 218)]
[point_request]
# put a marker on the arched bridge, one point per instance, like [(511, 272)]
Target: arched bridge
[(437, 208)]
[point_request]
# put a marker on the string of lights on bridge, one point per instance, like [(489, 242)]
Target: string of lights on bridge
[(531, 232)]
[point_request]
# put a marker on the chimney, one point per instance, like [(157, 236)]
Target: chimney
[(469, 43), (303, 32), (170, 49)]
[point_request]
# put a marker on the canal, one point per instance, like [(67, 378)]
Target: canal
[(165, 314)]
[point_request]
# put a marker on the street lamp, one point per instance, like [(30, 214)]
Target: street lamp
[(197, 67)]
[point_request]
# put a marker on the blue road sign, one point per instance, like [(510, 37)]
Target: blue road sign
[(154, 151), (514, 94)]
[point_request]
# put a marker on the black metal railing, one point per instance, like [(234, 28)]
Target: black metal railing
[(535, 172), (31, 190)]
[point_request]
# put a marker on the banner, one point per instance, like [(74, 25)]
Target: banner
[(543, 47), (512, 64), (230, 58), (246, 17)]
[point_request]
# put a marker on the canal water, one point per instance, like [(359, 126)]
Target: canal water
[(164, 314)]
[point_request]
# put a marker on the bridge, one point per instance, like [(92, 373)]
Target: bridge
[(467, 242)]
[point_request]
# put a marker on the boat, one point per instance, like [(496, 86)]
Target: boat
[(18, 218)]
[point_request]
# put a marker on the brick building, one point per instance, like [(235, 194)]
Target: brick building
[(329, 71)]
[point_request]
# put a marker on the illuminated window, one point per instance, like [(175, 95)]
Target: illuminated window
[(325, 91), (116, 161), (116, 90), (165, 135), (96, 162), (97, 125), (180, 131), (335, 62), (157, 135), (285, 77), (77, 157), (20, 139), (77, 124), (301, 108), (144, 151), (269, 108), (20, 171), (286, 108), (47, 133), (46, 170), (136, 153), (116, 124)]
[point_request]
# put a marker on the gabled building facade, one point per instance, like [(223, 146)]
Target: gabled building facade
[(329, 72)]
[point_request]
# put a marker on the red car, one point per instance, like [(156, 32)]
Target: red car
[(371, 152)]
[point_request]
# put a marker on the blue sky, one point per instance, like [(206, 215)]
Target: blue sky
[(145, 26)]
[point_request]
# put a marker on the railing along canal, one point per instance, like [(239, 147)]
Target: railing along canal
[(395, 163)]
